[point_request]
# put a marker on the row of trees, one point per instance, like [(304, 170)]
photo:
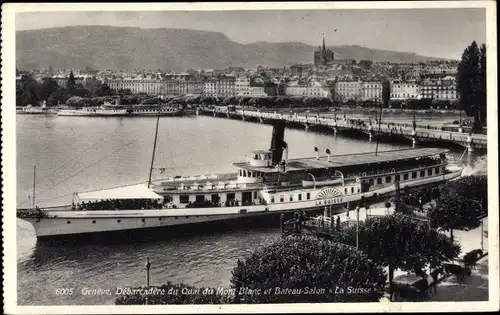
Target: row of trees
[(290, 269), (471, 82), (31, 92)]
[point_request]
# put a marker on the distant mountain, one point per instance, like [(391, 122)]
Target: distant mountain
[(106, 47)]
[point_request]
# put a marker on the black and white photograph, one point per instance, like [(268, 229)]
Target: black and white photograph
[(266, 157)]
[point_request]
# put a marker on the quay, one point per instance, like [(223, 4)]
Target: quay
[(416, 134)]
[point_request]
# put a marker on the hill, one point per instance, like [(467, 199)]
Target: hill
[(107, 47)]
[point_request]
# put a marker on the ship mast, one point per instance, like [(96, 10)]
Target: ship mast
[(154, 149), (34, 185)]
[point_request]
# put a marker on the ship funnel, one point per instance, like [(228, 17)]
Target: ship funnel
[(329, 154), (277, 141), (317, 152)]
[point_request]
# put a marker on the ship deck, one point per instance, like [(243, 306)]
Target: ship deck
[(346, 160)]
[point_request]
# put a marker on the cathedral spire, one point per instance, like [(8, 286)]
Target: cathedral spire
[(324, 48)]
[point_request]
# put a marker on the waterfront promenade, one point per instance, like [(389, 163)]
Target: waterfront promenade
[(417, 135)]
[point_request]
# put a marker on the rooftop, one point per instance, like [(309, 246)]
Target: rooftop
[(337, 161)]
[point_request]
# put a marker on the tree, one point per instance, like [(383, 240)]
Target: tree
[(102, 89), (482, 84), (70, 85), (460, 204), (400, 242), (27, 91), (296, 265), (47, 88), (471, 82)]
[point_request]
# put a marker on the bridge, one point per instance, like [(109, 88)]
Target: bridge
[(417, 135)]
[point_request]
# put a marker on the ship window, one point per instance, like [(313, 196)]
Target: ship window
[(240, 173), (379, 181), (388, 179), (68, 222), (345, 191), (422, 173), (370, 181), (405, 176), (414, 175), (254, 195), (244, 173), (436, 170), (282, 198), (308, 196), (200, 198), (291, 197), (352, 190), (184, 198), (397, 177), (143, 220), (118, 221), (230, 196), (272, 199), (93, 221), (429, 172), (300, 197)]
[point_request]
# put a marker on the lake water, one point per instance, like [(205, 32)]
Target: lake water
[(82, 153)]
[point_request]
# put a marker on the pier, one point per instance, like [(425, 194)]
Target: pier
[(416, 134)]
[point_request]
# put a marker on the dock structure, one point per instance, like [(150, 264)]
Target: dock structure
[(416, 134), (328, 224)]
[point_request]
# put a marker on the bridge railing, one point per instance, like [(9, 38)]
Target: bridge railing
[(341, 123)]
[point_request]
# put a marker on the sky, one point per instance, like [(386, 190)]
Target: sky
[(430, 32)]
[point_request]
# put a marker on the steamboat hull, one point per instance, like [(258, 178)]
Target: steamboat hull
[(136, 224)]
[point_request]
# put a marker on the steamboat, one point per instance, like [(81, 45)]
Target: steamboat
[(114, 110), (267, 184), (35, 110)]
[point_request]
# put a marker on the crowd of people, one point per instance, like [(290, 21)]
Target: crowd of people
[(119, 204), (31, 213), (203, 204)]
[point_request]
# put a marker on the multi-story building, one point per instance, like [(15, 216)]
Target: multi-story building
[(346, 90), (300, 70), (405, 90), (241, 86), (371, 91), (137, 85), (311, 89), (222, 86), (440, 89)]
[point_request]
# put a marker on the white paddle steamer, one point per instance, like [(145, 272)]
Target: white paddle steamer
[(268, 183)]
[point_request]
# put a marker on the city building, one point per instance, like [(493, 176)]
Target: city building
[(137, 85), (405, 90), (371, 91), (439, 89), (323, 56), (242, 86), (310, 89), (300, 70), (348, 90), (222, 86)]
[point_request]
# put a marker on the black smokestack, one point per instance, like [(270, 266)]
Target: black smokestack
[(277, 140)]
